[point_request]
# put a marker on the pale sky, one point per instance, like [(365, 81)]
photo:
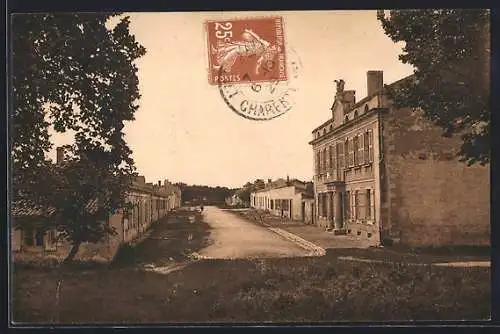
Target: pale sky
[(185, 132)]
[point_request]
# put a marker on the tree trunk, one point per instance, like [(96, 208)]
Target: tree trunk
[(72, 252)]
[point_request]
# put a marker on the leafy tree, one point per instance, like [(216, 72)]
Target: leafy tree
[(450, 50), (76, 73), (259, 184)]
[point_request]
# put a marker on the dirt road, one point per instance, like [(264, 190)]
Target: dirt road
[(233, 237)]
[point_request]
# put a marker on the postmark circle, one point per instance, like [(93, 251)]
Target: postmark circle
[(263, 101)]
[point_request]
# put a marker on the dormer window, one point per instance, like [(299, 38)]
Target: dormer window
[(324, 132), (366, 108), (346, 119), (331, 127), (355, 113)]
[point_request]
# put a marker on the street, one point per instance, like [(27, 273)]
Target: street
[(233, 237)]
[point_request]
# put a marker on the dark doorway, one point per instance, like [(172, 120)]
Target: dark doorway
[(313, 213), (303, 211)]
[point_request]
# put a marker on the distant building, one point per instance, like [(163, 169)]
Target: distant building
[(292, 198), (387, 174), (148, 203), (236, 199)]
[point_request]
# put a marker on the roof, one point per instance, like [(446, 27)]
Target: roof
[(366, 98), (282, 184), (26, 208)]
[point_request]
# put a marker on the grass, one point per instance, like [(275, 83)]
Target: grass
[(278, 290), (301, 289)]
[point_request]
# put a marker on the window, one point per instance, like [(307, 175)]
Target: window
[(355, 113), (331, 127), (33, 237), (355, 151), (272, 204), (366, 108), (357, 206), (28, 237), (346, 119)]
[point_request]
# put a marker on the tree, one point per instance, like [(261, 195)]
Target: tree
[(74, 72), (245, 192), (450, 51), (259, 184)]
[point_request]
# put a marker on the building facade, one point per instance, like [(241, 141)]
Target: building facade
[(383, 173), (148, 203), (290, 198), (235, 199)]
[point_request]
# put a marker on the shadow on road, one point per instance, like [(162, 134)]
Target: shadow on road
[(172, 240)]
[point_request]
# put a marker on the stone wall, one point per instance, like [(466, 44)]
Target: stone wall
[(428, 197)]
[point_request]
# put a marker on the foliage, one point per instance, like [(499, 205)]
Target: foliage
[(76, 73), (450, 51), (197, 193)]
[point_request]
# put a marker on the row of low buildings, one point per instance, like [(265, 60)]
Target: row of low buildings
[(148, 203), (387, 174), (292, 199)]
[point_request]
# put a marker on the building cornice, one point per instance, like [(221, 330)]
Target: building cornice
[(348, 125)]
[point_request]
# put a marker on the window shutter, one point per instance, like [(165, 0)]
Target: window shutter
[(340, 155), (366, 146), (317, 163), (333, 162), (370, 144), (346, 153), (355, 146), (360, 150), (351, 152), (330, 158)]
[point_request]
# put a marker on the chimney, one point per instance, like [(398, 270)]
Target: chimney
[(60, 155), (349, 97), (374, 82)]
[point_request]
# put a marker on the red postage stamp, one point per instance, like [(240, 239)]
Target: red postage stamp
[(246, 50)]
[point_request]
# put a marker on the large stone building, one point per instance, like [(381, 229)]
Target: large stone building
[(387, 174), (148, 203), (291, 198)]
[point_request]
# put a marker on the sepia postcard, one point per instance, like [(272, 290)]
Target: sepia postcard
[(249, 167)]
